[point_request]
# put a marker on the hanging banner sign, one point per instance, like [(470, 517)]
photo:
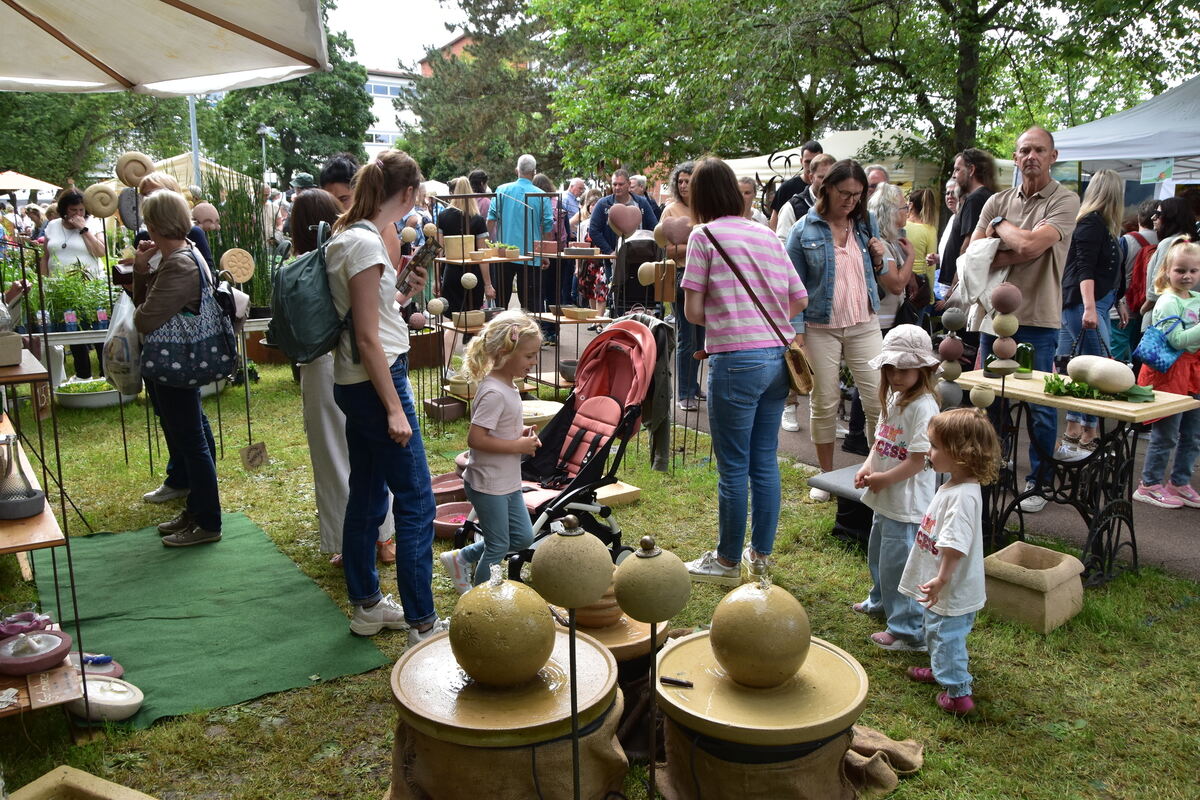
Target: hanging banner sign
[(1158, 170)]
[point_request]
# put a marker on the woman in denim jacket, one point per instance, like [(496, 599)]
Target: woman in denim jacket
[(842, 264)]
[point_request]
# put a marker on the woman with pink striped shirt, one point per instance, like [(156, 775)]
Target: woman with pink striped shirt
[(747, 378)]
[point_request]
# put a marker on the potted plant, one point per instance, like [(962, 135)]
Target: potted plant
[(98, 393)]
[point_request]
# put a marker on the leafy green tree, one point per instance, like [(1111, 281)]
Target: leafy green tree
[(487, 106), (60, 136), (313, 117)]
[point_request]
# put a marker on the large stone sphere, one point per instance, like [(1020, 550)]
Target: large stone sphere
[(1006, 298), (501, 633), (760, 635), (469, 280), (571, 571), (652, 588)]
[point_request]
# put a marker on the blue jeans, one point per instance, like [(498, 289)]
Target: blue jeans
[(177, 476), (506, 529), (378, 464), (1178, 432), (946, 638), (689, 338), (1089, 341), (887, 553), (1045, 420), (746, 393), (184, 429)]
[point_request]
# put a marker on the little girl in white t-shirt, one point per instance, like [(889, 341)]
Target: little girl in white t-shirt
[(945, 567), (503, 352)]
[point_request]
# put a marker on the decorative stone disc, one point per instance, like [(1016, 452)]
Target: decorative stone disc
[(239, 264)]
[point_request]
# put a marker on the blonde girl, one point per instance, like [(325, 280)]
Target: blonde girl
[(898, 487), (945, 567), (1176, 313), (504, 352)]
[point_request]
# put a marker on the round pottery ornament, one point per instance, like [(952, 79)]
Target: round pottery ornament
[(625, 219), (109, 699), (100, 201), (660, 235), (132, 167), (654, 585), (760, 634), (127, 208), (501, 632), (238, 263), (469, 280), (1005, 324), (436, 306), (1006, 298), (950, 348), (950, 394), (677, 229), (430, 230), (408, 235), (647, 272), (1005, 347), (1003, 366), (982, 396), (954, 319), (951, 370), (417, 321), (572, 568)]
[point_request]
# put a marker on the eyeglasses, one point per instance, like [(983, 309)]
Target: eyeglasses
[(855, 196), (1156, 215)]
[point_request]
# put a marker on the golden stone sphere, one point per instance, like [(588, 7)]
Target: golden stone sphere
[(408, 235), (469, 280), (501, 632), (760, 634), (572, 568), (652, 585), (1005, 324), (430, 230), (983, 396)]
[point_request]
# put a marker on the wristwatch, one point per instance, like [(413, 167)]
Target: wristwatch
[(996, 222)]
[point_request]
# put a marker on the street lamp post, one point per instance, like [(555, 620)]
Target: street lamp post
[(263, 132)]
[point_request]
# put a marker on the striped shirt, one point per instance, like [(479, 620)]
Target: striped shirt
[(732, 320), (851, 305)]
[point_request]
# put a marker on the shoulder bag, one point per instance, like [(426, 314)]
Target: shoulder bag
[(800, 374), (1154, 350), (191, 350)]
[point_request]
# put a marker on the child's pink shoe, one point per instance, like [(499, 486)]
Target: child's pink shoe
[(956, 705), (1189, 496), (1157, 495), (886, 641), (921, 674)]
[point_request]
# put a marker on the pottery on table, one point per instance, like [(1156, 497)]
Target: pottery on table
[(501, 632), (760, 634), (445, 408), (652, 585), (37, 651), (567, 367), (22, 618), (449, 517), (571, 568), (448, 488)]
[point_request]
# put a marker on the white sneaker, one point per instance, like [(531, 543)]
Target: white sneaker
[(1069, 452), (387, 613), (416, 637), (708, 569), (165, 494), (1034, 503), (790, 423), (459, 570), (818, 495), (755, 566)]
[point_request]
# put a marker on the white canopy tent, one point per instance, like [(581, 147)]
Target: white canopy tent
[(13, 181), (1166, 126), (182, 169), (167, 48)]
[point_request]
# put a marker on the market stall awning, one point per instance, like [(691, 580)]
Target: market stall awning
[(13, 181), (159, 47)]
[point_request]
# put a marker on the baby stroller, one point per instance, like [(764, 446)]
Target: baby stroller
[(576, 457)]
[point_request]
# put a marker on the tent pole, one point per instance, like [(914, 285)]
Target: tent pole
[(195, 141)]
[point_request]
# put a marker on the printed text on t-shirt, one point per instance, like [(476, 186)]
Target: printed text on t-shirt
[(888, 442), (924, 540)]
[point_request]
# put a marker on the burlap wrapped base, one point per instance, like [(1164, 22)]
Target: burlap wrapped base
[(425, 768)]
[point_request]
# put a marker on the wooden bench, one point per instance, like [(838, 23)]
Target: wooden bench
[(853, 522)]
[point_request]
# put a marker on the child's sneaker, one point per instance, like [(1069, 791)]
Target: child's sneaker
[(921, 674), (458, 568), (708, 569), (866, 608), (955, 705), (1189, 496), (1157, 495), (886, 641)]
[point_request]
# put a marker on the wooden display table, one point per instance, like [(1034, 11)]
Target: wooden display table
[(1099, 487)]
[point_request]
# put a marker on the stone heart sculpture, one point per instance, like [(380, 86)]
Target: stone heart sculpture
[(677, 229), (625, 219)]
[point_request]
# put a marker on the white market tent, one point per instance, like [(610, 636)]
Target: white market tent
[(847, 144), (182, 169), (1166, 126), (13, 181), (161, 47)]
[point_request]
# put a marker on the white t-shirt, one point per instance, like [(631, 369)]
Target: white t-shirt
[(349, 253), (497, 407), (954, 520), (903, 433), (66, 246)]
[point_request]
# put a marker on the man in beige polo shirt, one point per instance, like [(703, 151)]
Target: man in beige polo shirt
[(1034, 223)]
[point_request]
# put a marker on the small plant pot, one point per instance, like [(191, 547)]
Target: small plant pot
[(566, 368), (445, 408), (449, 517), (449, 488), (1033, 586)]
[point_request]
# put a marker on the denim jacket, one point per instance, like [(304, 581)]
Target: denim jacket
[(810, 246)]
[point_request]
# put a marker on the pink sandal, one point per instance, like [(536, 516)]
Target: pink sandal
[(956, 705)]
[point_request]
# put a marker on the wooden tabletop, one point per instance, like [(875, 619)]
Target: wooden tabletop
[(30, 369), (1032, 390)]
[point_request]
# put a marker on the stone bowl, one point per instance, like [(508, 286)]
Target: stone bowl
[(448, 488), (449, 517), (567, 367)]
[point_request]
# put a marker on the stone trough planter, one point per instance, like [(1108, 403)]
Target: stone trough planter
[(1033, 586)]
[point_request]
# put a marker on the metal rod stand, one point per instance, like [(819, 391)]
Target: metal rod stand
[(653, 711), (574, 703)]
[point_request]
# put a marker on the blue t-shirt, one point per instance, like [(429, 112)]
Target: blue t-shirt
[(521, 220)]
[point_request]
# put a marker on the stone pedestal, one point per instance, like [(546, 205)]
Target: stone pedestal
[(1033, 586), (68, 783)]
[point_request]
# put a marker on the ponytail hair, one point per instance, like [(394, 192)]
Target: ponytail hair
[(376, 182), (496, 342)]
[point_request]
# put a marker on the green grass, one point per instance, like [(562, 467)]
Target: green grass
[(1106, 707)]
